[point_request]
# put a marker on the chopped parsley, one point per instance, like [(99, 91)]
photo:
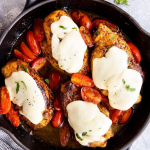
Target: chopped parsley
[(97, 32), (112, 38), (121, 2), (25, 68), (128, 61), (47, 81), (62, 27), (77, 135), (84, 133), (123, 81), (90, 130), (129, 67), (130, 89), (74, 28), (87, 50), (24, 85), (18, 86), (99, 128), (61, 66)]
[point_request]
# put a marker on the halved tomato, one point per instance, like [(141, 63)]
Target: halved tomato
[(115, 115), (76, 15), (38, 63)]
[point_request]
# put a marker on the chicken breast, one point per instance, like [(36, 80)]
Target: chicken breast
[(14, 66), (71, 93), (46, 46)]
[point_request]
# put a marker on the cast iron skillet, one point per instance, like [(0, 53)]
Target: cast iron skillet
[(138, 36)]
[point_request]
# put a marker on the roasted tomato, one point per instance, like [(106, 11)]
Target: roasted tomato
[(90, 95), (125, 116), (57, 103), (115, 115), (33, 43), (76, 15), (19, 55), (38, 63), (27, 51), (87, 37), (96, 23), (57, 119), (55, 80), (13, 117), (5, 102), (86, 22), (135, 52), (64, 134), (38, 30), (82, 80), (104, 98)]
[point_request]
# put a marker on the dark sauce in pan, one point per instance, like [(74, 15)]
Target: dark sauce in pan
[(50, 134)]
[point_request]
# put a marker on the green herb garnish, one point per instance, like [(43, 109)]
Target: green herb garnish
[(18, 86), (112, 38), (97, 32), (99, 128), (90, 130), (63, 27), (74, 28), (24, 85), (123, 81), (130, 89), (128, 61), (47, 81), (77, 135), (87, 50), (121, 2), (25, 68), (61, 66), (84, 133)]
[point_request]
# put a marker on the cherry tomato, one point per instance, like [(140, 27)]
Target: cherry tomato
[(96, 23), (87, 37), (86, 22), (27, 51), (64, 134), (55, 80), (57, 103), (90, 95), (19, 55), (76, 15), (33, 44), (13, 117), (5, 102), (38, 63), (81, 80), (38, 30), (57, 119), (135, 52), (126, 115), (115, 115)]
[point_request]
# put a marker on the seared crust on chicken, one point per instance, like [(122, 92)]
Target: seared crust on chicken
[(46, 46), (71, 93), (14, 66)]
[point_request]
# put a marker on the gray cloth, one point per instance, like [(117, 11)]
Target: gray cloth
[(138, 9)]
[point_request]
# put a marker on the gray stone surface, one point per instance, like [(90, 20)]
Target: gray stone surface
[(138, 9)]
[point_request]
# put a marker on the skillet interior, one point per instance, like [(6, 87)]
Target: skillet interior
[(140, 38)]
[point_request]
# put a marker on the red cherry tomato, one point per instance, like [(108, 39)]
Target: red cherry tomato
[(38, 30), (87, 37), (96, 23), (57, 119), (55, 80), (115, 115), (5, 102), (33, 44), (82, 80), (90, 95), (126, 115), (19, 55), (76, 15), (135, 52), (38, 63), (27, 51), (86, 22), (57, 103), (13, 117)]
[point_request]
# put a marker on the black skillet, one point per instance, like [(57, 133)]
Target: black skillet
[(140, 119)]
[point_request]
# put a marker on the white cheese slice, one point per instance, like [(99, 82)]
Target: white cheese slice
[(86, 117), (68, 47), (30, 99)]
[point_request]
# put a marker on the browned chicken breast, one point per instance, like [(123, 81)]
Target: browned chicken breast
[(70, 93), (46, 46), (14, 66)]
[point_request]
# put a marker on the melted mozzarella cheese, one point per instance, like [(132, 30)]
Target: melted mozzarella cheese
[(68, 47), (86, 117), (109, 73), (30, 99)]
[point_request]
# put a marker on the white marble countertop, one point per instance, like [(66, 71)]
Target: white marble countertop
[(138, 9)]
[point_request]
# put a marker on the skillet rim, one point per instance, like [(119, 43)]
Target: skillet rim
[(122, 12)]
